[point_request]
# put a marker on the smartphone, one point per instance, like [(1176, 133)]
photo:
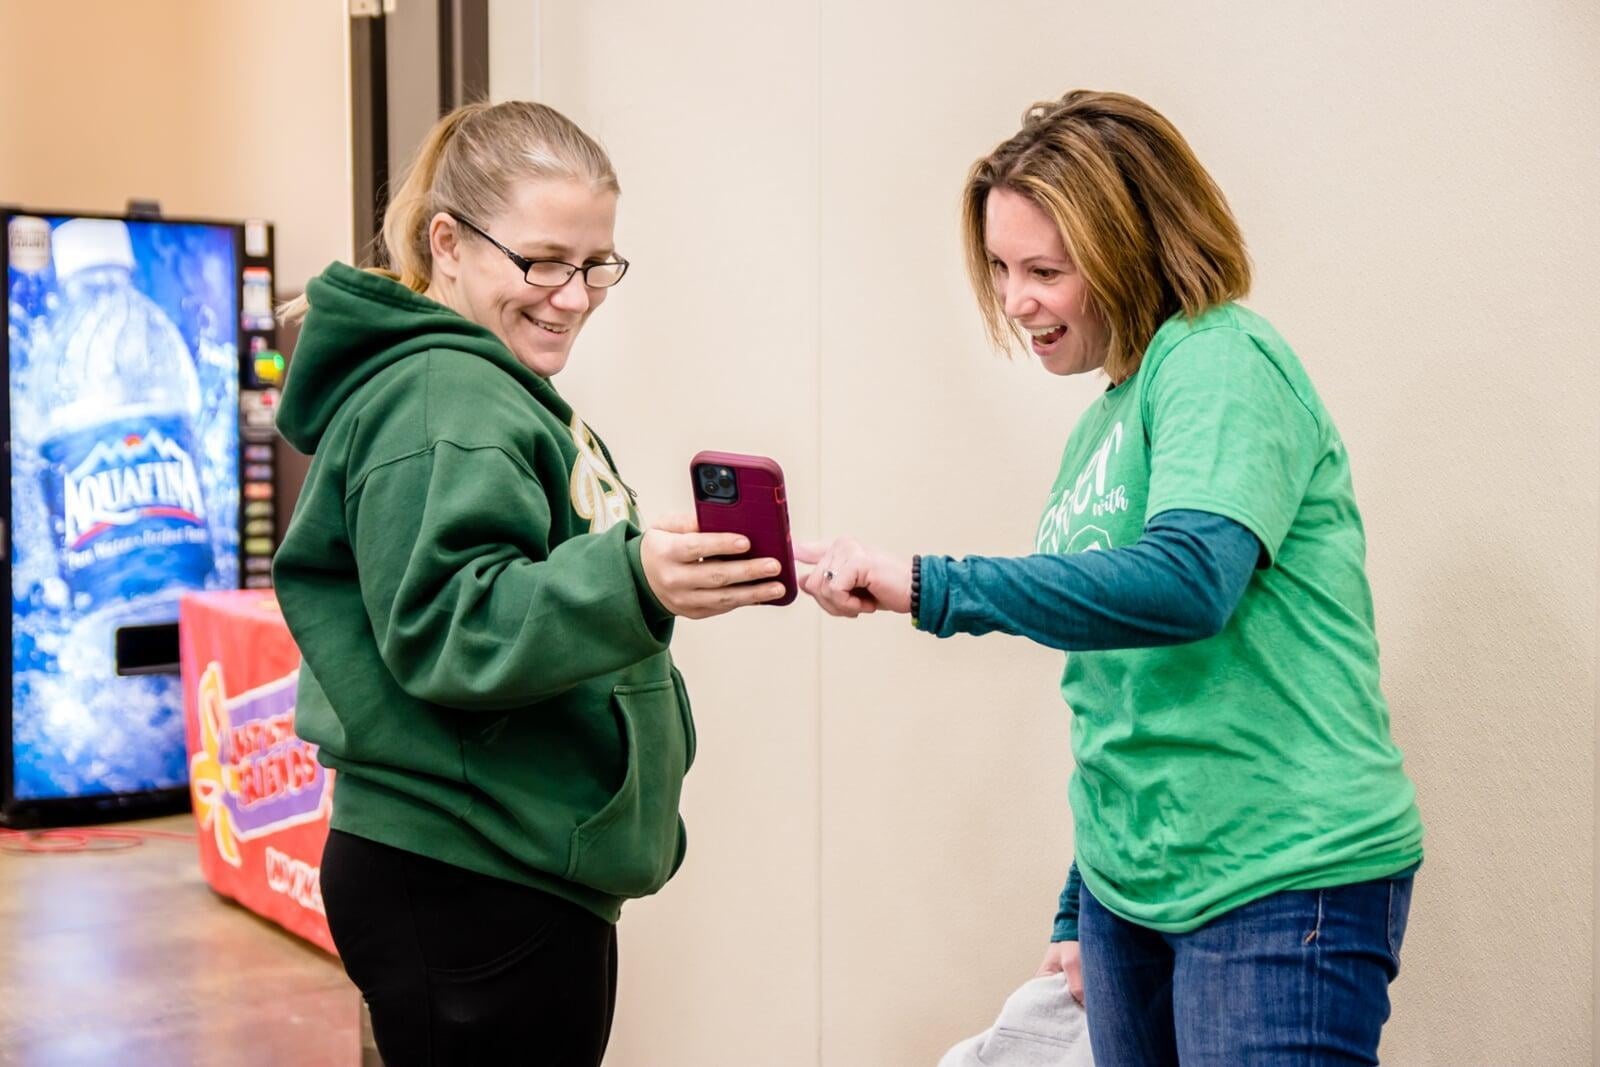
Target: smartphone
[(735, 493)]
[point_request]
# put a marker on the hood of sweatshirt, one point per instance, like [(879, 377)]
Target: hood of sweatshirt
[(361, 323)]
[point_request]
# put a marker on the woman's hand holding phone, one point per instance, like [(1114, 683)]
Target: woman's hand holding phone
[(684, 573)]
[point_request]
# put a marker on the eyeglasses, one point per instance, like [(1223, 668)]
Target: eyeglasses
[(554, 273)]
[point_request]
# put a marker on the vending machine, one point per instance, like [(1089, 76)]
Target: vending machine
[(141, 372)]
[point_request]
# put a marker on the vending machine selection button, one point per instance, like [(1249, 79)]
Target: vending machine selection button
[(256, 241), (257, 406), (269, 366), (255, 300)]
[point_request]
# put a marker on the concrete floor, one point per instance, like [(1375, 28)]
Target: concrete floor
[(128, 958)]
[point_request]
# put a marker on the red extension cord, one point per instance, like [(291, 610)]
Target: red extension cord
[(79, 839)]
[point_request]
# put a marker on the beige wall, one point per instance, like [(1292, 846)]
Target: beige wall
[(213, 107), (878, 820), (713, 345)]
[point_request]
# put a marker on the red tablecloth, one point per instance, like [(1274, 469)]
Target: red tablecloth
[(261, 799)]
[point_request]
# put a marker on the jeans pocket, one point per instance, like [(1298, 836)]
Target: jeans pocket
[(1399, 914)]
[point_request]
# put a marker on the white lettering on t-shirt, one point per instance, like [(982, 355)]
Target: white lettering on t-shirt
[(1089, 494)]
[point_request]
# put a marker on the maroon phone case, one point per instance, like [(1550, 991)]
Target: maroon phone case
[(761, 513)]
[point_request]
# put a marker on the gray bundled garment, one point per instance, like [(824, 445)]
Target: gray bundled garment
[(1039, 1026)]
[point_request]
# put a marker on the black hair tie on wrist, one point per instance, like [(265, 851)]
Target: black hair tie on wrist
[(916, 591)]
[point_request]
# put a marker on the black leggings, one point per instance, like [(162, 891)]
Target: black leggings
[(461, 968)]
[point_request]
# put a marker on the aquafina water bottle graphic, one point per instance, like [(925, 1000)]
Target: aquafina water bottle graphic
[(121, 473)]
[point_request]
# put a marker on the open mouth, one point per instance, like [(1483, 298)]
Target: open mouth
[(1044, 337)]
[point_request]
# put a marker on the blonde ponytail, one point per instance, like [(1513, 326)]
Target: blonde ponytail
[(406, 253)]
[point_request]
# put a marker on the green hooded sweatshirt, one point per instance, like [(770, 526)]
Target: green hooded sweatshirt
[(484, 664)]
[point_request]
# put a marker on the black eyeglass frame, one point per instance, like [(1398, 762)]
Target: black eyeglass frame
[(525, 264)]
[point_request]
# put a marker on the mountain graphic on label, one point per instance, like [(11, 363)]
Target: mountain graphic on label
[(130, 480)]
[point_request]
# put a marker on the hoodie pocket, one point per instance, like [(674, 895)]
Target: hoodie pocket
[(632, 845), (687, 713)]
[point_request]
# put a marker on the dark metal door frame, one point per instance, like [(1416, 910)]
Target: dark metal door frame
[(461, 40)]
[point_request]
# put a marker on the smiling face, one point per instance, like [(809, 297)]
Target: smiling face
[(556, 218), (1040, 286)]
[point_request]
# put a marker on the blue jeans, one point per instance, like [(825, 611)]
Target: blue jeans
[(1297, 978)]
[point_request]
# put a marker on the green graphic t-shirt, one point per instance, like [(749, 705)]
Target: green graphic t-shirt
[(1214, 773)]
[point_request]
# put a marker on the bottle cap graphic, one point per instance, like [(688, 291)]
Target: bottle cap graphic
[(84, 243)]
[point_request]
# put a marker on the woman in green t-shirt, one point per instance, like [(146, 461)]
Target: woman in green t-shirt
[(1245, 834)]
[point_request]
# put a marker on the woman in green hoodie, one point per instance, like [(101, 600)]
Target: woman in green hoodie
[(483, 624)]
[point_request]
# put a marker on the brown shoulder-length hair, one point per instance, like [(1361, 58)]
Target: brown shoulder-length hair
[(1143, 221)]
